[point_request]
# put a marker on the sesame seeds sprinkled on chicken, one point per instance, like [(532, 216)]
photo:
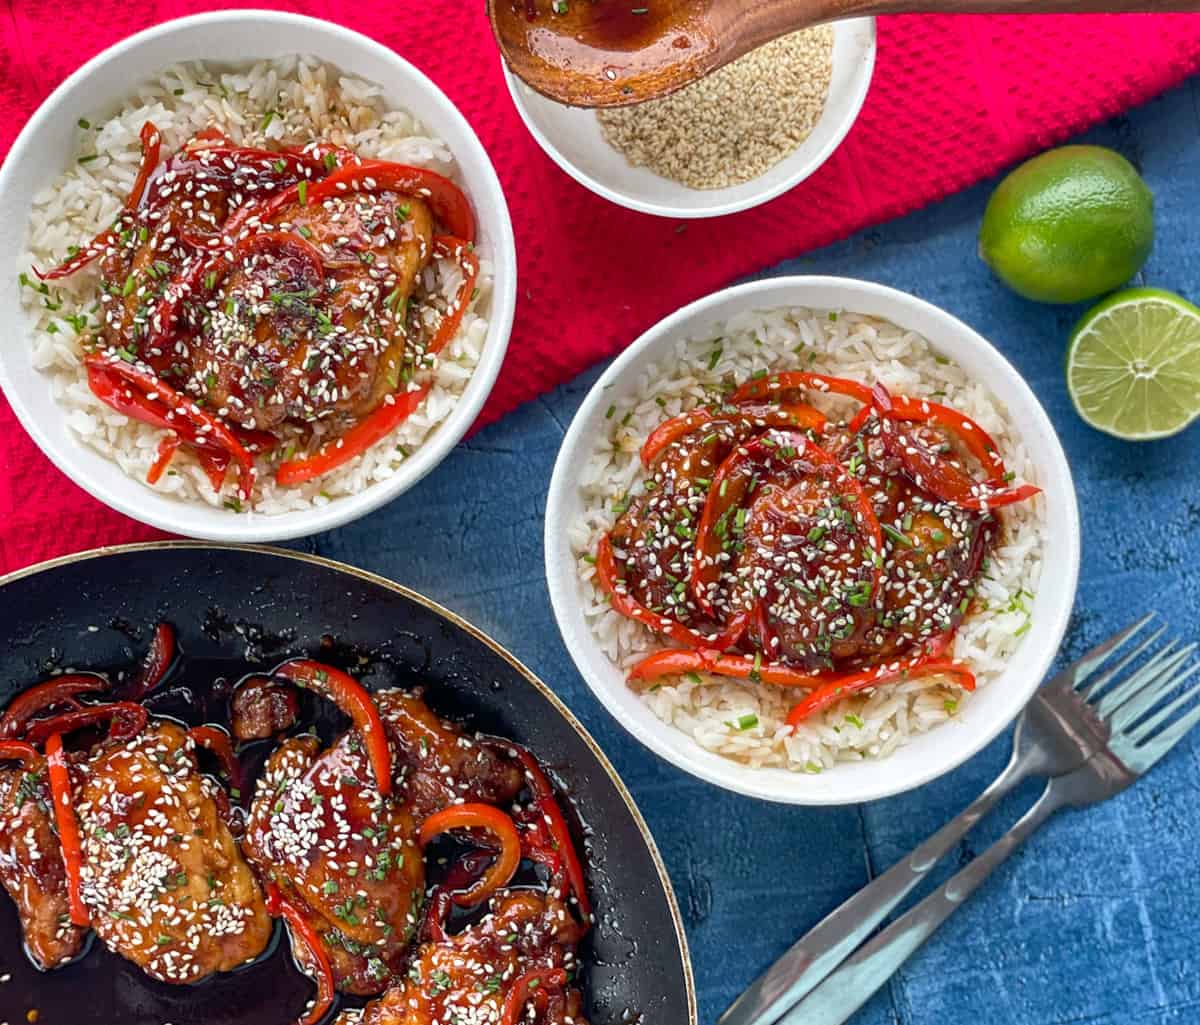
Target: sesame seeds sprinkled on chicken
[(163, 878), (467, 980), (31, 866)]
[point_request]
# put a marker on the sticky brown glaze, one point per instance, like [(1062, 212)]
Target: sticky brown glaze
[(163, 878), (795, 556), (467, 978), (343, 854), (31, 866), (437, 764), (269, 337), (279, 342), (654, 538), (932, 551), (259, 709), (803, 564)]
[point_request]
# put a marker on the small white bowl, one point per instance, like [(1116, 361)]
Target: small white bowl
[(573, 139), (927, 755), (47, 145)]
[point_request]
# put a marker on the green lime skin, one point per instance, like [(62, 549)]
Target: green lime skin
[(1068, 225)]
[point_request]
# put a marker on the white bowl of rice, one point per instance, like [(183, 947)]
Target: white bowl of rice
[(262, 78), (734, 140), (731, 732)]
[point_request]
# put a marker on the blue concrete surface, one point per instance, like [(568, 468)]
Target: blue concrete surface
[(1097, 921)]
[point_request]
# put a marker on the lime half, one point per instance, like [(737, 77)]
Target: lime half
[(1133, 364)]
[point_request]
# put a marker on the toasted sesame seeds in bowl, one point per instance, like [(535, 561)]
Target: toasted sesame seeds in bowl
[(262, 80), (736, 730), (734, 140)]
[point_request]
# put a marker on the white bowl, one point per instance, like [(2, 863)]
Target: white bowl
[(572, 138), (926, 755), (48, 144)]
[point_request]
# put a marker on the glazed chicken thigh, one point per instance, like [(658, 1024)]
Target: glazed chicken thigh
[(472, 976), (343, 854), (31, 866), (162, 876)]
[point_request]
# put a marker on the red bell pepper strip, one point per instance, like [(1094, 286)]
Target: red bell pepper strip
[(770, 386), (203, 425), (792, 414), (462, 251), (375, 426), (525, 987), (68, 828), (549, 815), (303, 932), (624, 603), (61, 690), (126, 719), (167, 448), (677, 661), (447, 200), (353, 699), (155, 665), (464, 873), (495, 822), (151, 143), (974, 438), (214, 465), (731, 484), (216, 740), (274, 241), (833, 689), (110, 388), (18, 751), (943, 479)]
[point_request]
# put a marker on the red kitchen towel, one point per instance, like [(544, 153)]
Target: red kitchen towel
[(954, 99)]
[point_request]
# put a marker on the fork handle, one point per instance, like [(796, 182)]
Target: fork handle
[(859, 977), (828, 943)]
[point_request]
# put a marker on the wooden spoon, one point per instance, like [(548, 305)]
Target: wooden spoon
[(612, 53)]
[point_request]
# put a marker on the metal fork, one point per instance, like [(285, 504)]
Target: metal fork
[(1146, 715), (1059, 730)]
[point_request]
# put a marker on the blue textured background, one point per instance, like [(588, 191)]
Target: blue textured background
[(1097, 921)]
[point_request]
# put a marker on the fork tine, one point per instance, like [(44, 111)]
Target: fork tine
[(1079, 671), (1152, 750), (1110, 674), (1142, 702), (1140, 732), (1155, 674)]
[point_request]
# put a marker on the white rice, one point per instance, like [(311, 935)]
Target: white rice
[(867, 349), (286, 102)]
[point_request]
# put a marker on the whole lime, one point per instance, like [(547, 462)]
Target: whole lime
[(1070, 224)]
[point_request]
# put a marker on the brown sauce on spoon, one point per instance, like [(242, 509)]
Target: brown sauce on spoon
[(613, 42)]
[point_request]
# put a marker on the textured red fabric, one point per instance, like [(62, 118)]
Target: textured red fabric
[(954, 99)]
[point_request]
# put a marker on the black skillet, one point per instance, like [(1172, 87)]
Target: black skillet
[(240, 609)]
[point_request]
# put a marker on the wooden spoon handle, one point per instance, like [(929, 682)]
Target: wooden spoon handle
[(751, 25)]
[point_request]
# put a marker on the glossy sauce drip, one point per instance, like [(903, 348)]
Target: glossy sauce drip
[(616, 37)]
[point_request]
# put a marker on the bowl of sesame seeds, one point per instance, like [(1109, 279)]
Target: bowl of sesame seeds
[(734, 140), (813, 540), (261, 276)]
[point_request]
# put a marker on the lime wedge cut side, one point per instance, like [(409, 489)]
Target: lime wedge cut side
[(1133, 364)]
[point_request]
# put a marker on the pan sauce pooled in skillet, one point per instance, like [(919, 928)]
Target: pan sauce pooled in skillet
[(160, 861)]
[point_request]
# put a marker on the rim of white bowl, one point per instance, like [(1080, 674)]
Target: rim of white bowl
[(836, 786), (862, 85), (156, 510)]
